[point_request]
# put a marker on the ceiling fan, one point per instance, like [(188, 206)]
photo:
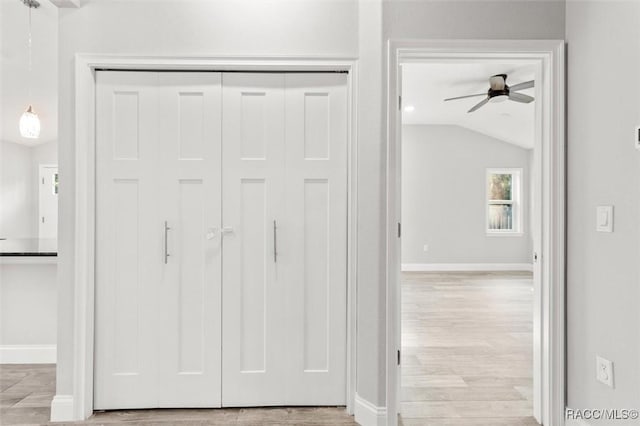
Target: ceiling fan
[(499, 91)]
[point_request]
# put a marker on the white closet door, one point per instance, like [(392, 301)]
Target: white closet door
[(128, 241), (315, 240), (158, 316), (254, 338), (189, 317)]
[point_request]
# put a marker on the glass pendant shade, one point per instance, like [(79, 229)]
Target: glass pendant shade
[(30, 124)]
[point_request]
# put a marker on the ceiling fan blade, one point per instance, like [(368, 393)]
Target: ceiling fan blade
[(479, 104), (468, 96), (520, 97), (522, 86)]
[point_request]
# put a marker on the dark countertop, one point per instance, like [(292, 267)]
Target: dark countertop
[(28, 247)]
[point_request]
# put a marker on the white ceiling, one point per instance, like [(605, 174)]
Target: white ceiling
[(426, 85)]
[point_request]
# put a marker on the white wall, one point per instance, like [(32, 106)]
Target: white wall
[(218, 28), (18, 175), (17, 201), (474, 19), (286, 27), (444, 196), (27, 304), (19, 187), (603, 168)]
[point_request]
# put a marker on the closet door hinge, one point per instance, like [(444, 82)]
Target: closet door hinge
[(399, 230), (398, 356), (400, 102)]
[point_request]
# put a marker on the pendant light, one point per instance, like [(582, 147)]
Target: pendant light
[(29, 122)]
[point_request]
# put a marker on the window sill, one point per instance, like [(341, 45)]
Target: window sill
[(505, 234)]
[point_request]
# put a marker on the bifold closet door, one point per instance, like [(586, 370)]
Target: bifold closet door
[(254, 339), (285, 198), (316, 238), (128, 241), (158, 252), (189, 320)]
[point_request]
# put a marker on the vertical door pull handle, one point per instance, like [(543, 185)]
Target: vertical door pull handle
[(275, 242), (166, 249)]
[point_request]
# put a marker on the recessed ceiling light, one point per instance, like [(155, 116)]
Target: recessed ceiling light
[(409, 108)]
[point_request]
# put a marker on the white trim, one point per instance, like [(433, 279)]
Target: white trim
[(61, 408), (445, 267), (549, 58), (28, 354), (368, 414), (84, 229), (28, 260)]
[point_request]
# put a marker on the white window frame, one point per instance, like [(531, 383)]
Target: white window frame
[(516, 202)]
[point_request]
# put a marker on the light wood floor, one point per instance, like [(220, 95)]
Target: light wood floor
[(466, 357), (26, 392), (467, 349)]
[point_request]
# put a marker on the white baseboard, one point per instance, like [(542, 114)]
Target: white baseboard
[(460, 267), (62, 408), (368, 414), (571, 422), (28, 354)]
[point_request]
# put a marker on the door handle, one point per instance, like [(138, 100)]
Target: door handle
[(226, 230), (275, 242), (166, 237)]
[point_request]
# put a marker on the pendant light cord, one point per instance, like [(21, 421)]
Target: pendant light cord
[(30, 56)]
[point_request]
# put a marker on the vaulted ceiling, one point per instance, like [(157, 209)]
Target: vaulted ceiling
[(426, 85)]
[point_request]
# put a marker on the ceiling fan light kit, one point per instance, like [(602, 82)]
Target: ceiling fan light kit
[(500, 91)]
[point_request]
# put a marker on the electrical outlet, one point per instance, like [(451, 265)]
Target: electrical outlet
[(425, 247), (604, 371)]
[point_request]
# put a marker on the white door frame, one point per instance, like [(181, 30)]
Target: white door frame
[(79, 405), (41, 168), (548, 57)]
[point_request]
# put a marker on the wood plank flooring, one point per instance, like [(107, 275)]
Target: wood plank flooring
[(26, 392), (466, 361), (467, 349)]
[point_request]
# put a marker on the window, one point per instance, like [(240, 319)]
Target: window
[(54, 183), (503, 201)]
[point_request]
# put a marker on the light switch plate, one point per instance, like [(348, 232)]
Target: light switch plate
[(604, 219)]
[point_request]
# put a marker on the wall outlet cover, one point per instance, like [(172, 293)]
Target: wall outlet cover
[(604, 371)]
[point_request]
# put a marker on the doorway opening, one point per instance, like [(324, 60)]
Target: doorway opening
[(470, 221), (508, 284)]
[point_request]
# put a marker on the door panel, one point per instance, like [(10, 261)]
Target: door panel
[(190, 296), (316, 238), (158, 291), (127, 241), (253, 339)]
